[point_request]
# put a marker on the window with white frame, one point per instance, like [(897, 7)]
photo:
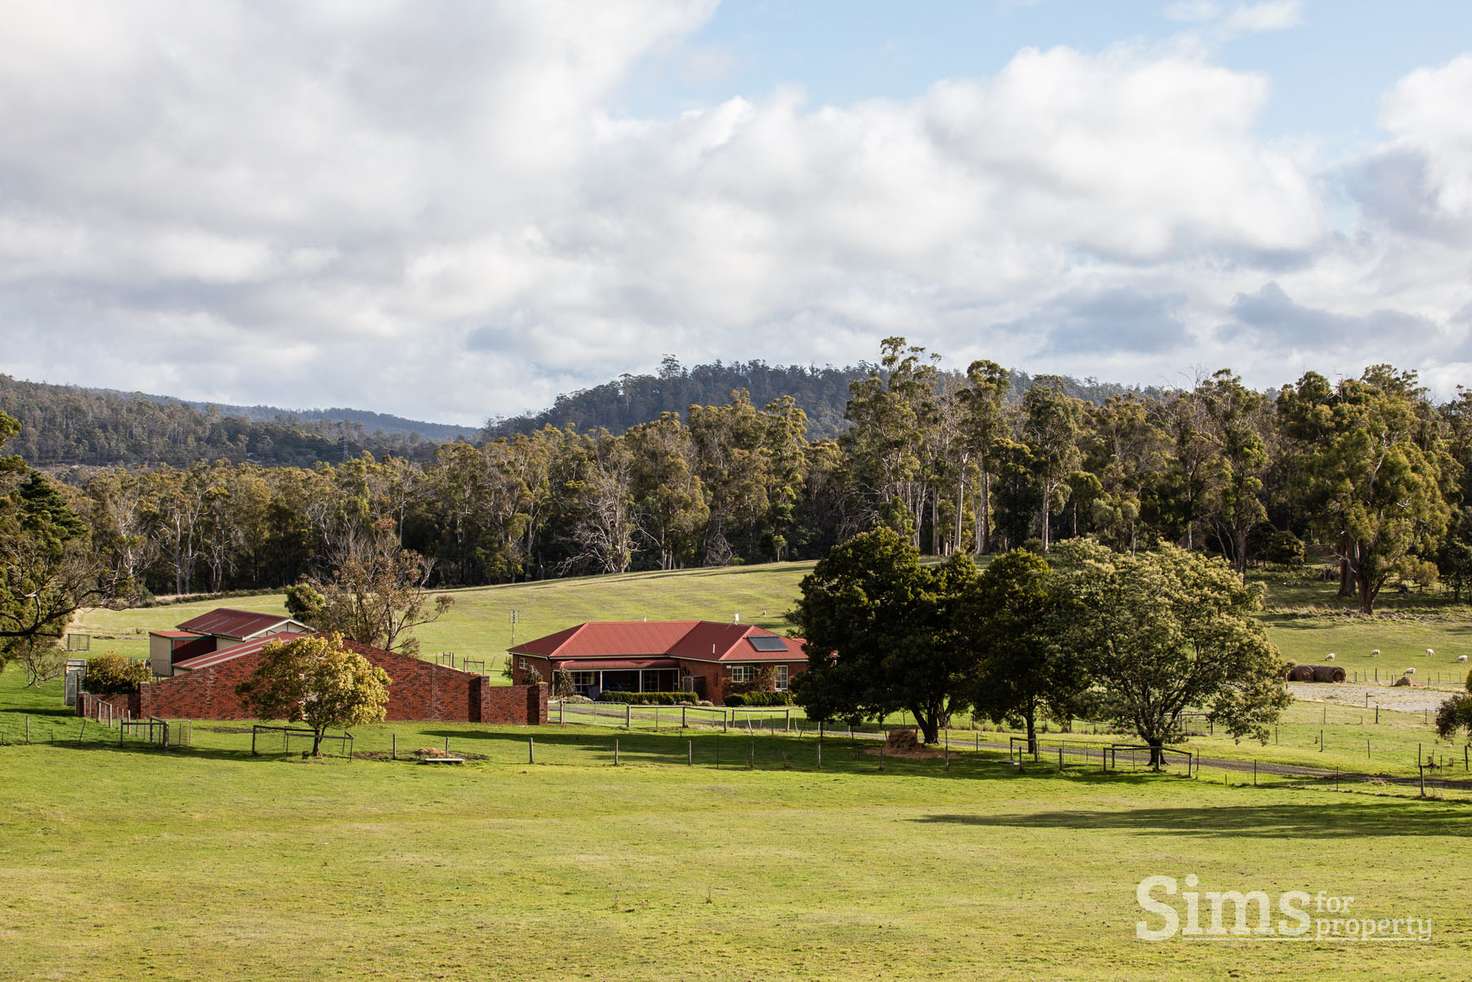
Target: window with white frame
[(743, 673), (584, 680), (781, 678)]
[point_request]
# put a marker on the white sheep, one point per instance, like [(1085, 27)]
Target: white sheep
[(1329, 656), (1375, 653), (1430, 652), (1410, 671), (1461, 658)]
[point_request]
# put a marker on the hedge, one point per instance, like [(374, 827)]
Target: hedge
[(648, 698), (781, 698)]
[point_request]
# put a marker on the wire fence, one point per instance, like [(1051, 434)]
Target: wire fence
[(769, 739)]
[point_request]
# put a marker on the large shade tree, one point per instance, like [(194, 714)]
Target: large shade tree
[(1168, 631), (881, 636), (1009, 619)]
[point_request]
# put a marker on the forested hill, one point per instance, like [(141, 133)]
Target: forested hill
[(67, 425), (822, 393)]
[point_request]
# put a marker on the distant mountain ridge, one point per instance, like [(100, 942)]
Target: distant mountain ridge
[(66, 425), (822, 393)]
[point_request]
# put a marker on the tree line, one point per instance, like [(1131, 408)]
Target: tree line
[(1370, 469)]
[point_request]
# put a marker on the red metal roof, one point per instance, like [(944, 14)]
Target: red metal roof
[(228, 622), (607, 664), (688, 640), (230, 654), (173, 634)]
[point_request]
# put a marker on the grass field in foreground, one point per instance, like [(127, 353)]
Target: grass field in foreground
[(126, 862)]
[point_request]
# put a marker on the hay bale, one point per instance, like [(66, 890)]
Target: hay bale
[(1328, 673), (1301, 673), (1403, 680), (903, 739)]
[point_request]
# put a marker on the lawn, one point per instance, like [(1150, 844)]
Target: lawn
[(208, 863)]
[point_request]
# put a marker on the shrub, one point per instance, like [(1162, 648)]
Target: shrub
[(647, 698), (562, 683), (111, 674), (759, 698), (1285, 548)]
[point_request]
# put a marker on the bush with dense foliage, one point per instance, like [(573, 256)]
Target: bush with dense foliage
[(111, 674), (756, 697), (647, 698)]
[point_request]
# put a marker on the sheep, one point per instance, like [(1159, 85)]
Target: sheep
[(1375, 653), (1329, 656), (1430, 652), (1461, 658), (1411, 671)]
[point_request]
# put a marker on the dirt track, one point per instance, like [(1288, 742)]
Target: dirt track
[(1405, 698)]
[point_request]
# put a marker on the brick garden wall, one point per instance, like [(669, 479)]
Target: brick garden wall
[(524, 705), (123, 704), (419, 690)]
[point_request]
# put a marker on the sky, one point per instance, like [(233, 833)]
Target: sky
[(454, 211)]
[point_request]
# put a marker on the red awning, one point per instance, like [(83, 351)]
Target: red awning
[(614, 664)]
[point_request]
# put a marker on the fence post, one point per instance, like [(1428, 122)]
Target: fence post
[(820, 753), (253, 741), (1423, 779), (628, 716), (1254, 772), (787, 721), (531, 750), (447, 746), (1060, 758), (28, 729), (615, 751), (690, 752), (682, 716), (393, 746), (562, 712)]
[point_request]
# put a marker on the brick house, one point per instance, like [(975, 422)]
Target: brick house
[(203, 668), (702, 657)]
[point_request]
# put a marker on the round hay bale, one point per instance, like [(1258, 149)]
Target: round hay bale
[(1403, 680), (1301, 673), (1328, 673), (902, 739)]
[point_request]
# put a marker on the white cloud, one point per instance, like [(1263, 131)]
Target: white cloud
[(435, 211)]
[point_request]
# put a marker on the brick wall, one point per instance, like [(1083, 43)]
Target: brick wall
[(714, 677), (523, 705), (419, 690), (207, 693), (423, 690), (123, 704)]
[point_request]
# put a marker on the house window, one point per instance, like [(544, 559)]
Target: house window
[(781, 678), (583, 683), (743, 673), (522, 664)]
